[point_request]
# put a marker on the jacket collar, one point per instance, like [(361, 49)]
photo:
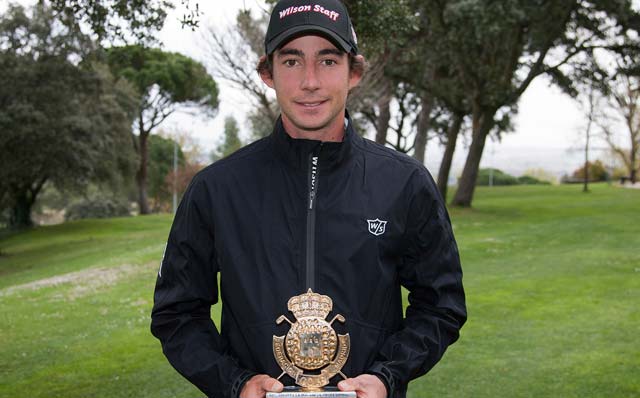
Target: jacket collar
[(296, 152)]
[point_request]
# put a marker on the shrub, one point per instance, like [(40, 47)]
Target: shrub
[(528, 180), (542, 175), (597, 172), (97, 208), (499, 177)]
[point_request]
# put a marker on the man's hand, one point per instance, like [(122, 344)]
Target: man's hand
[(259, 385), (366, 386)]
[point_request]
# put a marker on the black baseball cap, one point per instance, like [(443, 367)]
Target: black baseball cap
[(295, 18)]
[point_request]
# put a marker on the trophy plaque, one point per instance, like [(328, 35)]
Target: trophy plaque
[(311, 346)]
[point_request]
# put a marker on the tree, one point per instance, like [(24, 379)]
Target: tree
[(414, 57), (233, 56), (591, 113), (625, 102), (592, 171), (121, 19), (231, 142), (450, 142), (180, 180), (499, 48), (161, 151), (165, 82), (61, 122)]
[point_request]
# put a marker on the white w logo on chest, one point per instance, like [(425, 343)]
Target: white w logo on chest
[(377, 226)]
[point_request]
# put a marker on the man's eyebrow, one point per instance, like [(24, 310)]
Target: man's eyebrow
[(290, 51), (331, 51), (299, 53)]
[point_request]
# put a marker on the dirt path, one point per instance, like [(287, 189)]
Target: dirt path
[(84, 281)]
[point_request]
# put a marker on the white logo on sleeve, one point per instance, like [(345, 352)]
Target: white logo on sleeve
[(162, 260), (377, 226)]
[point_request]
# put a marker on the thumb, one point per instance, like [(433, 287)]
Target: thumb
[(346, 385), (272, 385)]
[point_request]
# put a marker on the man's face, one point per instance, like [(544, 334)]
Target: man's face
[(312, 80)]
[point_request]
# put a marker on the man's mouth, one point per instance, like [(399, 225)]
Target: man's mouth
[(310, 104)]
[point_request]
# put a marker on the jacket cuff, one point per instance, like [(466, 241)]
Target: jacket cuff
[(239, 382), (380, 371)]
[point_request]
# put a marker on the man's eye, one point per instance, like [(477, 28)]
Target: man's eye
[(329, 62), (291, 62)]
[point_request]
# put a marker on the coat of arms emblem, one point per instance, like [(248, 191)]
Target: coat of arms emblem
[(311, 343)]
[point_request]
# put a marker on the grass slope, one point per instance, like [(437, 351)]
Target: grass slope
[(552, 279)]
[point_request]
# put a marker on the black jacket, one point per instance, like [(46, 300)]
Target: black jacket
[(351, 220)]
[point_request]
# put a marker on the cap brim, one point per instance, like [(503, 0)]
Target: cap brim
[(300, 30)]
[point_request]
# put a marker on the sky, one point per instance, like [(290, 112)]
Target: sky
[(547, 128)]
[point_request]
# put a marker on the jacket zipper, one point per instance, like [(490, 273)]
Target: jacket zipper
[(311, 217)]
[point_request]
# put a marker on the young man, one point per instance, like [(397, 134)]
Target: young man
[(312, 206)]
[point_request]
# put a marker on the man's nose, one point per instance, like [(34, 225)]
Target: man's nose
[(310, 81)]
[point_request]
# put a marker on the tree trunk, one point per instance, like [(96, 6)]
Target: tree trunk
[(632, 158), (141, 175), (384, 114), (424, 121), (21, 212), (585, 186), (482, 125), (447, 158)]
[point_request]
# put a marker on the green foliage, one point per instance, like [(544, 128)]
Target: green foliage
[(115, 19), (231, 142), (529, 180), (397, 17), (549, 275), (160, 165), (97, 207), (495, 177), (597, 172), (498, 177), (179, 79), (61, 122), (165, 81), (261, 125)]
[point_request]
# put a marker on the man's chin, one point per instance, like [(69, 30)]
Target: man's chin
[(310, 125)]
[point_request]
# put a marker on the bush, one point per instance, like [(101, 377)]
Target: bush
[(97, 208), (528, 180), (597, 172), (542, 175), (499, 178)]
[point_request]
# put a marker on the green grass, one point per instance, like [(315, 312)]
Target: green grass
[(552, 279)]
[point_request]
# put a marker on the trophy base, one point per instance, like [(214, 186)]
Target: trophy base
[(325, 392)]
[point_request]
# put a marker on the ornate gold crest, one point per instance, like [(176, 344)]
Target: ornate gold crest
[(311, 343)]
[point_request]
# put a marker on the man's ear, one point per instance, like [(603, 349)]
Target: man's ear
[(356, 73), (264, 72)]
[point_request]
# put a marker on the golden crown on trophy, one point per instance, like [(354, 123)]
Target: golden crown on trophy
[(310, 304)]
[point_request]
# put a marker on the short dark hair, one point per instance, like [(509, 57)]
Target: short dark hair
[(356, 65)]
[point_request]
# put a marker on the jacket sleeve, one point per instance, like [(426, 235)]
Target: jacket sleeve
[(430, 270), (186, 288)]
